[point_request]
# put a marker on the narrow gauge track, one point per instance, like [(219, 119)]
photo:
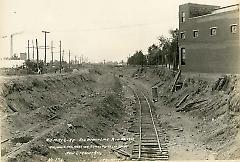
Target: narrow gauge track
[(151, 143)]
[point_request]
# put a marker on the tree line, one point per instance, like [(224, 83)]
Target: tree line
[(164, 53)]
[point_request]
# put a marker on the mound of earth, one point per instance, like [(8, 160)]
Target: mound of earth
[(44, 116)]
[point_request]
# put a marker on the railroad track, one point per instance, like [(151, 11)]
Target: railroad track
[(151, 140)]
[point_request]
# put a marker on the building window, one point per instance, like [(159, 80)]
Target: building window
[(213, 31), (183, 17), (195, 33), (182, 35), (183, 56), (233, 28)]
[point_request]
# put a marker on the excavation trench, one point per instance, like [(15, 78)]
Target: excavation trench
[(87, 115), (74, 116)]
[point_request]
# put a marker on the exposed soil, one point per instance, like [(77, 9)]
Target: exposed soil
[(205, 126), (36, 111), (202, 119)]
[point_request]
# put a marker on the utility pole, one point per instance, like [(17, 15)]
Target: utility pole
[(60, 58), (28, 51), (45, 56), (82, 59), (33, 49), (11, 46), (37, 53), (69, 58), (75, 59), (175, 66), (52, 50), (62, 55)]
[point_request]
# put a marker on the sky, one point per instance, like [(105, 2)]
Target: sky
[(100, 30)]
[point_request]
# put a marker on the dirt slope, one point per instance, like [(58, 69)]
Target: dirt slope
[(202, 118), (38, 110)]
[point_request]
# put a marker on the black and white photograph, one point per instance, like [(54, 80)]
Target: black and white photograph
[(119, 80)]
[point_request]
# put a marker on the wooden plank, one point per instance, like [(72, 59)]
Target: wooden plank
[(12, 108), (121, 152), (184, 98), (190, 106), (175, 80)]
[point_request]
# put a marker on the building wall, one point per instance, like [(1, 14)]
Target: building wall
[(192, 9), (11, 63), (23, 56), (206, 53)]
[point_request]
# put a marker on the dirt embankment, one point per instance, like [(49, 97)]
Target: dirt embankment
[(37, 109), (202, 114)]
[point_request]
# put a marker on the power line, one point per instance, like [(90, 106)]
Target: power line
[(116, 27)]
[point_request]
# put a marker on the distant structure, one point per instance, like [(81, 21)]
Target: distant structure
[(14, 61), (209, 38), (6, 63), (23, 56), (11, 45)]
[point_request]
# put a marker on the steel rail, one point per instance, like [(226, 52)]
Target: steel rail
[(140, 126), (155, 129), (140, 148)]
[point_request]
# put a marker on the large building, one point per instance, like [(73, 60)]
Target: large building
[(209, 38)]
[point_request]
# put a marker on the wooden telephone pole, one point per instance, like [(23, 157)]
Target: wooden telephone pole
[(45, 56), (52, 50), (60, 57), (37, 54), (69, 57), (33, 48), (28, 51)]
